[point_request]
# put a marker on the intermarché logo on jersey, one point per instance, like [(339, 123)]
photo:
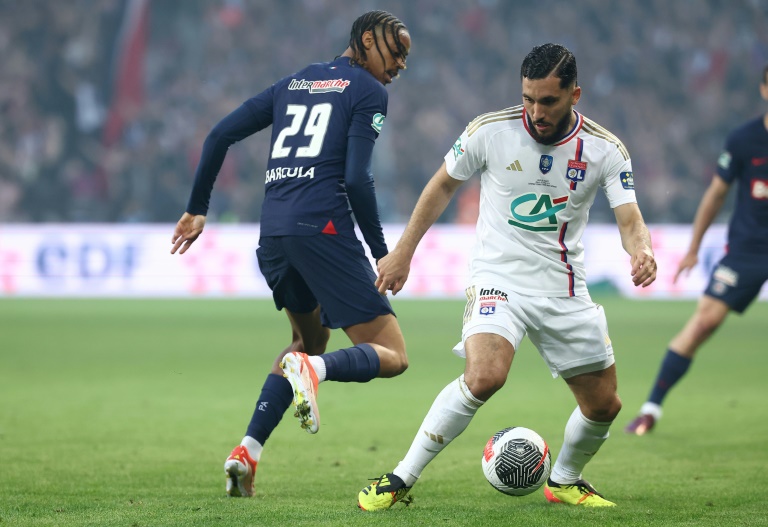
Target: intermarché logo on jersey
[(536, 213), (319, 86)]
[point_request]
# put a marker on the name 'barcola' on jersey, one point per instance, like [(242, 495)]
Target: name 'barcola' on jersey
[(286, 172)]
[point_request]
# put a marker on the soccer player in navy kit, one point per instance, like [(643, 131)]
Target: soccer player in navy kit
[(739, 276), (325, 120)]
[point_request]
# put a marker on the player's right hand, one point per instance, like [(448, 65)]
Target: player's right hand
[(393, 272), (688, 262), (187, 230)]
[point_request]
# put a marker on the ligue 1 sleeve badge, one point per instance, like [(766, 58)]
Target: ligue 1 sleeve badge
[(545, 163), (576, 170), (627, 180)]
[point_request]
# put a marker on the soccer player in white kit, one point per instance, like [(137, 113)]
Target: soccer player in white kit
[(540, 165)]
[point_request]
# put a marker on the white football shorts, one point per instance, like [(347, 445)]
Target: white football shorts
[(571, 333)]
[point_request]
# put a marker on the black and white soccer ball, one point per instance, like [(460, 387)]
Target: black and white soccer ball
[(516, 461)]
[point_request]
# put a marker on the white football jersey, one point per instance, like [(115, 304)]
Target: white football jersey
[(535, 199)]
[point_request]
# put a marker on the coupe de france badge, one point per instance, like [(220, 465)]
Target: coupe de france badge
[(545, 163), (576, 170), (378, 122)]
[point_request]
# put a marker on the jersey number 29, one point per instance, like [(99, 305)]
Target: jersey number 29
[(315, 129)]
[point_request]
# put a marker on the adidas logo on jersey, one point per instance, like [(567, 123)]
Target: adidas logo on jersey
[(515, 166)]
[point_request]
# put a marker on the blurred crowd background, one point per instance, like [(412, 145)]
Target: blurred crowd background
[(105, 104)]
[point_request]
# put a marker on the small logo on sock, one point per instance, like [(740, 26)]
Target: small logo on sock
[(263, 406)]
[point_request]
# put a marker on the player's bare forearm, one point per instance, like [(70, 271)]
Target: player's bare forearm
[(710, 205), (432, 203), (188, 228), (636, 240), (642, 258), (394, 268)]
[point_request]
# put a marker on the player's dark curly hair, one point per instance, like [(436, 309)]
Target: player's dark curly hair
[(550, 59), (371, 20)]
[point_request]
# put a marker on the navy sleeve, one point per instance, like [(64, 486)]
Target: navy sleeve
[(254, 115), (729, 163), (361, 193), (369, 110)]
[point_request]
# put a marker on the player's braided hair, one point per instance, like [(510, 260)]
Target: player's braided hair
[(550, 59), (371, 20)]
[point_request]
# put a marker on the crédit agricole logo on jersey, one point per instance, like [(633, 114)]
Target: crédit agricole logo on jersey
[(536, 212), (457, 148)]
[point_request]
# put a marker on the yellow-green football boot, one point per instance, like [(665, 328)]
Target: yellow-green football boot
[(578, 493), (384, 492)]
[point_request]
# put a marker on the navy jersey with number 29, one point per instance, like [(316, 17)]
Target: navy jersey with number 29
[(314, 112), (325, 120)]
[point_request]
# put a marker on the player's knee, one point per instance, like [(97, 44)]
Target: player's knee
[(613, 409), (606, 410), (709, 317), (484, 383), (393, 363), (401, 366), (320, 343), (317, 343), (402, 359), (706, 325)]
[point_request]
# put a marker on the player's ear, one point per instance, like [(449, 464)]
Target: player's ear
[(368, 40), (576, 95)]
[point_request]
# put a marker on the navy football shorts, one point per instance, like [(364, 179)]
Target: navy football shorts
[(737, 280), (325, 269)]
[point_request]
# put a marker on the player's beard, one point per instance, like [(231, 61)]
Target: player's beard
[(561, 128)]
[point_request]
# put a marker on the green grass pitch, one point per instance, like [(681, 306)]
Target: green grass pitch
[(121, 412)]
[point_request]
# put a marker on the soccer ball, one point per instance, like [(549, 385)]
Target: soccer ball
[(516, 461)]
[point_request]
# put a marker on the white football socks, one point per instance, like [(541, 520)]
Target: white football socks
[(448, 417), (253, 447), (318, 364), (583, 438), (650, 408)]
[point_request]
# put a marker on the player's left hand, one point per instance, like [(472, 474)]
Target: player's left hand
[(187, 230), (643, 267)]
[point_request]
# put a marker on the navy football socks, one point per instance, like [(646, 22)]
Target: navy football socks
[(357, 364), (673, 367), (275, 398)]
